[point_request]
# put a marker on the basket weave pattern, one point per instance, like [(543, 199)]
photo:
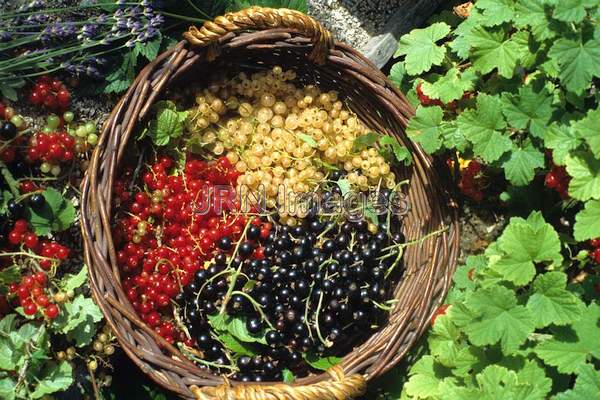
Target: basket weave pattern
[(292, 40)]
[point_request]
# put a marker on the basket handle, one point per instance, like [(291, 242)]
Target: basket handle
[(259, 18), (340, 388)]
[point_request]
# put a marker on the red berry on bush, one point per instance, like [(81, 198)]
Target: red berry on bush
[(51, 311), (30, 309)]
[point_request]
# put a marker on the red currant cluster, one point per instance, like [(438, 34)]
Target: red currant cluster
[(51, 148), (32, 295), (20, 234), (54, 252), (170, 231), (51, 93), (471, 181), (558, 179), (595, 254)]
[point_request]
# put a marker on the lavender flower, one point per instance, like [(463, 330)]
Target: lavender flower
[(136, 27), (148, 12), (102, 18), (157, 21), (58, 31), (88, 31)]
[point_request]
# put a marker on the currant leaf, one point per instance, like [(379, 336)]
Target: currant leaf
[(499, 319), (520, 167), (571, 346), (586, 222), (528, 110), (496, 12), (579, 62), (420, 48), (561, 139), (585, 171), (451, 86), (424, 128), (587, 130), (587, 385), (493, 49), (483, 127), (551, 303), (523, 243)]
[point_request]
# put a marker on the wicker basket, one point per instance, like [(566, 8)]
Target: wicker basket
[(262, 37)]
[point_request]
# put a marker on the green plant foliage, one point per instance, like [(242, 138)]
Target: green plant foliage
[(26, 369), (56, 215), (504, 336)]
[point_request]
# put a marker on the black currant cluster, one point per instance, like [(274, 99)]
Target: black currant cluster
[(320, 287)]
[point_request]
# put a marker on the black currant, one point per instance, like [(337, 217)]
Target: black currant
[(225, 243), (8, 130)]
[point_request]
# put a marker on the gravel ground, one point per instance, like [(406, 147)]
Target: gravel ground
[(353, 21)]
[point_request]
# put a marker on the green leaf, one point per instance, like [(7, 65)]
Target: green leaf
[(308, 140), (398, 73), (528, 110), (520, 167), (56, 215), (6, 197), (236, 346), (424, 128), (532, 13), (569, 10), (54, 378), (168, 123), (122, 77), (72, 282), (534, 378), (497, 382), (500, 319), (344, 186), (321, 363), (585, 171), (425, 379), (8, 324), (149, 49), (572, 345), (587, 224), (7, 389), (451, 86), (236, 326), (9, 275), (552, 303), (78, 320), (561, 140), (9, 92), (496, 11), (525, 242), (400, 152), (492, 49), (579, 62), (587, 129), (587, 385), (288, 376), (420, 48), (364, 141), (482, 128)]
